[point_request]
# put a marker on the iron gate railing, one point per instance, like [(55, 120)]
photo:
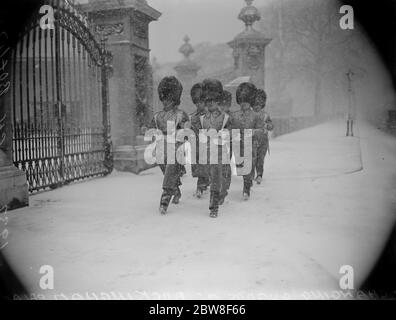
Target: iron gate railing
[(60, 107)]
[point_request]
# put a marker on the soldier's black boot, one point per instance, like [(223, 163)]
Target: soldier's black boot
[(246, 190), (199, 193), (177, 196), (202, 186), (165, 200), (214, 204), (222, 198)]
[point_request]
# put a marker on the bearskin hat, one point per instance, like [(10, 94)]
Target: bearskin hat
[(246, 93), (197, 93), (170, 89), (227, 98), (261, 96), (213, 90)]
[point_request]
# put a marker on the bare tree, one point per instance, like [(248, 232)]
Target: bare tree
[(308, 44)]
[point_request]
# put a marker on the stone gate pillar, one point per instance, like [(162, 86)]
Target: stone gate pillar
[(187, 71), (125, 26), (13, 183), (249, 47)]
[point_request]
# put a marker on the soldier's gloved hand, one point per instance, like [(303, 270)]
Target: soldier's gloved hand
[(257, 133), (187, 125), (261, 132), (248, 133), (237, 136), (223, 137), (171, 135), (202, 137)]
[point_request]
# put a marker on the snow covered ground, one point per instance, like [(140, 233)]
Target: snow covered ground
[(326, 201)]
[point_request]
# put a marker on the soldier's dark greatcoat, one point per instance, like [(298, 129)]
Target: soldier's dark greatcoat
[(216, 120), (262, 143), (172, 172), (198, 170), (248, 119)]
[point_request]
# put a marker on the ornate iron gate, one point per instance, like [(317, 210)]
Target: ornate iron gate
[(60, 101)]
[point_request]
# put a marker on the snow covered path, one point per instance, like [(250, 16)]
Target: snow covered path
[(326, 201)]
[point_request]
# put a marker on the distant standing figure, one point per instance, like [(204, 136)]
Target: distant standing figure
[(351, 117), (262, 141)]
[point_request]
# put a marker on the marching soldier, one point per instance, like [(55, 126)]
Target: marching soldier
[(217, 120), (227, 173), (170, 91), (262, 141), (198, 170), (247, 118)]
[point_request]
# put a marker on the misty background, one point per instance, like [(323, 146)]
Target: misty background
[(306, 62)]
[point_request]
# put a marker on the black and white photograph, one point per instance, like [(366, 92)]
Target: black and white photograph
[(201, 150)]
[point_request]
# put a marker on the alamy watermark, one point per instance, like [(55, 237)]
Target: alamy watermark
[(47, 278), (210, 147), (347, 21), (346, 291), (347, 279)]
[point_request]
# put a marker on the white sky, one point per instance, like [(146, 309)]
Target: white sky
[(203, 20)]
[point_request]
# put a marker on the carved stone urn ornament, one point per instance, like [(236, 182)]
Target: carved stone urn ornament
[(249, 15)]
